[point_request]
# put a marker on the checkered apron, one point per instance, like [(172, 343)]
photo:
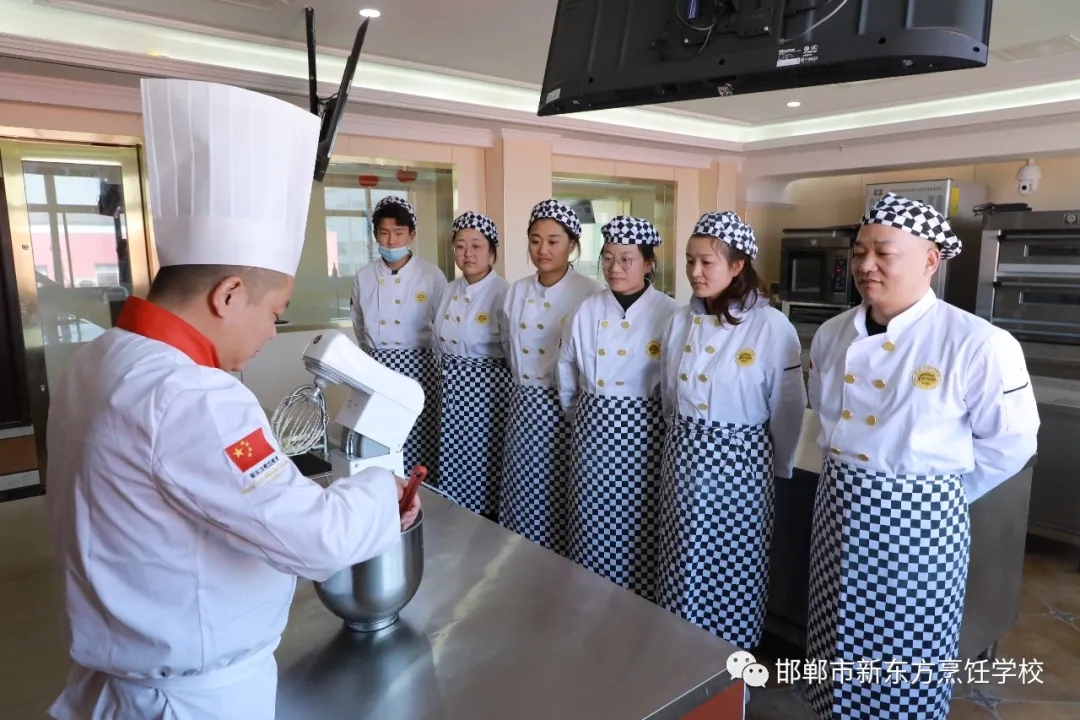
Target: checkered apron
[(888, 573), (535, 459), (422, 445), (616, 446), (472, 425), (715, 526)]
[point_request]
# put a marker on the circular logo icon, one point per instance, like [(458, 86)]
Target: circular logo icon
[(653, 349), (421, 297), (926, 377), (738, 661), (745, 357), (482, 318)]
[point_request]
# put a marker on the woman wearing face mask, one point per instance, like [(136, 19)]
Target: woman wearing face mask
[(537, 437), (609, 383), (733, 386), (475, 379), (394, 301)]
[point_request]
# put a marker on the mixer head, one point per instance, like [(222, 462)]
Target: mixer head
[(383, 404)]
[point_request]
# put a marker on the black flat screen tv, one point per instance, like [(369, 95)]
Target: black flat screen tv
[(625, 53)]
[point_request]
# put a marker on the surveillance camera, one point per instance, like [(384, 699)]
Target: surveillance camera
[(1027, 179)]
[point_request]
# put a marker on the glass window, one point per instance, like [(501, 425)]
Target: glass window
[(340, 238), (598, 200)]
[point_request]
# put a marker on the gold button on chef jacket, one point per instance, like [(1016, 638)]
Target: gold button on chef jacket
[(470, 322), (397, 311), (608, 352), (941, 392), (746, 374), (537, 317)]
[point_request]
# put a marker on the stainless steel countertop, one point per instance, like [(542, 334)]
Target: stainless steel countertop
[(500, 628)]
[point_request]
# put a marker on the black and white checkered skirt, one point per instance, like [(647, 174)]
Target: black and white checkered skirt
[(472, 429), (533, 498), (422, 446), (888, 573), (616, 445), (715, 527)]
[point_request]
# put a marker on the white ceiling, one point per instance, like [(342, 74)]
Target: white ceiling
[(507, 40)]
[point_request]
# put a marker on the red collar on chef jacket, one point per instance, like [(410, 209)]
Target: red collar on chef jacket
[(154, 322)]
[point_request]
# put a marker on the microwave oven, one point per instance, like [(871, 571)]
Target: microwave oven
[(815, 266)]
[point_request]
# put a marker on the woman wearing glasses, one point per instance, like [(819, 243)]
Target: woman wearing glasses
[(470, 328), (609, 383)]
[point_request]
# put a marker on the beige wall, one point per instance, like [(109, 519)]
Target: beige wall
[(504, 181), (823, 201)]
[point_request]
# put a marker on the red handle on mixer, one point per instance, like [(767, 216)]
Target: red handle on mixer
[(419, 472)]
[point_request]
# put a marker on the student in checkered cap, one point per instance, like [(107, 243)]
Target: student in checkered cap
[(609, 383), (394, 301), (537, 309), (470, 329), (733, 393), (924, 408)]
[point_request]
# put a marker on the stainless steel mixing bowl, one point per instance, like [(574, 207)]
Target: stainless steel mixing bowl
[(368, 596)]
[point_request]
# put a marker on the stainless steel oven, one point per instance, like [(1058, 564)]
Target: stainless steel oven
[(1030, 275), (815, 272)]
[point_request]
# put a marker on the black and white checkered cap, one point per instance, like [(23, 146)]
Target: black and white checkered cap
[(728, 227), (625, 230), (395, 200), (915, 218), (476, 221), (555, 210)]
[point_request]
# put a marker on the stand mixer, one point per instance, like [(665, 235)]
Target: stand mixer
[(377, 416)]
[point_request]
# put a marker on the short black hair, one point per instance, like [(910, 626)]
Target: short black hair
[(393, 211), (178, 284)]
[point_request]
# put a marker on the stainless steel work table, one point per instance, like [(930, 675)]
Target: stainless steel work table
[(502, 629)]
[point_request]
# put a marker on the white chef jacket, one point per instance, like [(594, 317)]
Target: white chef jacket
[(536, 317), (470, 321), (396, 310), (609, 352), (746, 374), (940, 392), (176, 561)]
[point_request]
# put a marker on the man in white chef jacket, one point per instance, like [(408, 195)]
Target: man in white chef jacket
[(924, 408), (179, 524)]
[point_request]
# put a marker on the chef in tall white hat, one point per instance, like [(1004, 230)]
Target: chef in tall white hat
[(924, 408), (179, 524)]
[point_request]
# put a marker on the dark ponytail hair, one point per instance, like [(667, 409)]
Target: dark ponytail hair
[(745, 289), (648, 252)]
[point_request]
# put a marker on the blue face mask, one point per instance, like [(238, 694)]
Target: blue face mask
[(393, 254)]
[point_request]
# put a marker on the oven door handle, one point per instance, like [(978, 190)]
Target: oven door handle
[(1032, 285)]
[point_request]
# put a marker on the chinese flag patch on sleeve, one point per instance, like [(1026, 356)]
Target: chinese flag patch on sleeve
[(249, 452)]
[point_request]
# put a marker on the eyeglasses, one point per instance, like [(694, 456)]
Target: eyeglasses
[(626, 263)]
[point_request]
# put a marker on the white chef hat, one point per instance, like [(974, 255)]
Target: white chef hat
[(230, 174)]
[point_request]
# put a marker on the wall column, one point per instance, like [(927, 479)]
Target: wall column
[(518, 177)]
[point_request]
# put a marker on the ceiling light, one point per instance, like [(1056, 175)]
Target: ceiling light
[(794, 103), (370, 13)]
